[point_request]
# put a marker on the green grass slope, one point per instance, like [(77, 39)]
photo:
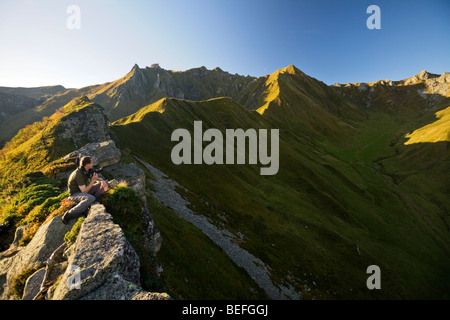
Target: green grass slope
[(328, 213), (39, 145)]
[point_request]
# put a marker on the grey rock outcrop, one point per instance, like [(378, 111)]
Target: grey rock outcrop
[(100, 251), (33, 284), (166, 192), (152, 236), (444, 78), (130, 173), (118, 288), (48, 237), (421, 76), (103, 261), (11, 104), (89, 124), (104, 153)]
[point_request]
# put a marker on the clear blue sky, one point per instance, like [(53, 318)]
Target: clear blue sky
[(328, 40)]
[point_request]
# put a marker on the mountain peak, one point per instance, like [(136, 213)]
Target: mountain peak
[(134, 70), (445, 77), (136, 74), (291, 69), (423, 75)]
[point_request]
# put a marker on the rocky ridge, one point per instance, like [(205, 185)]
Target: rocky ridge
[(416, 94), (103, 261), (100, 262)]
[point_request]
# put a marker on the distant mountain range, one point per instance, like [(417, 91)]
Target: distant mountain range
[(141, 87), (362, 177)]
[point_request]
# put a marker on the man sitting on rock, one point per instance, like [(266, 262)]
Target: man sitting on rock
[(83, 190)]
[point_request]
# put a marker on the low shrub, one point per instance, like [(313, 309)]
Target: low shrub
[(18, 283)]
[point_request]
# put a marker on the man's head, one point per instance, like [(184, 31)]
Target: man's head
[(87, 163)]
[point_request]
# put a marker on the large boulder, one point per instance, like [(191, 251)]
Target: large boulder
[(33, 284), (101, 264), (130, 173), (104, 153)]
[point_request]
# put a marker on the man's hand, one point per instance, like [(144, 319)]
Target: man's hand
[(85, 189)]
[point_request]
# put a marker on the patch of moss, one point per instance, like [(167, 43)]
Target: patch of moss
[(125, 206), (29, 200), (71, 236)]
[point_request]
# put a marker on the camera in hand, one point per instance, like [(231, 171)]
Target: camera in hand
[(91, 172)]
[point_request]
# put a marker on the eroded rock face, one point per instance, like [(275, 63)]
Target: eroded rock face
[(117, 288), (33, 284), (87, 125), (101, 250), (102, 262)]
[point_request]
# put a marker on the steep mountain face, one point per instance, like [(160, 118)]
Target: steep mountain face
[(141, 87), (359, 180)]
